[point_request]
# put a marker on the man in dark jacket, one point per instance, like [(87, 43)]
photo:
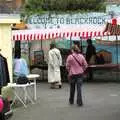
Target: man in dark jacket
[(91, 51)]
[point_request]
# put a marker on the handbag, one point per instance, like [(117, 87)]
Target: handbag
[(92, 60), (22, 80), (85, 70)]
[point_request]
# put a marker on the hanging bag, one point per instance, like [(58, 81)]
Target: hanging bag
[(85, 70), (22, 80), (92, 60)]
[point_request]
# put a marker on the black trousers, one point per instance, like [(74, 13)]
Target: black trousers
[(76, 80), (90, 74)]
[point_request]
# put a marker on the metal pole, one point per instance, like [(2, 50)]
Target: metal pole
[(29, 46), (70, 42), (81, 44), (42, 59), (117, 56), (117, 49)]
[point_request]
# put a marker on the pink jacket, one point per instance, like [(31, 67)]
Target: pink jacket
[(72, 65)]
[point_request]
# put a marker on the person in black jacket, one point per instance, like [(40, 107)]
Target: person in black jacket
[(91, 51)]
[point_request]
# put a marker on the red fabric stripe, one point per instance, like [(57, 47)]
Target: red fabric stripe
[(94, 33), (28, 37), (17, 37), (45, 36), (86, 34), (31, 37), (52, 35), (49, 36), (67, 34), (38, 37), (20, 37), (24, 37), (41, 36), (75, 34), (60, 35), (90, 34), (99, 33), (13, 37), (83, 34), (56, 35)]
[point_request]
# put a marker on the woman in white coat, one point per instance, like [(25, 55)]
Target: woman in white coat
[(54, 63)]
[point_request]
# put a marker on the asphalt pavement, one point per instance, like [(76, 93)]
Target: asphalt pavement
[(101, 102)]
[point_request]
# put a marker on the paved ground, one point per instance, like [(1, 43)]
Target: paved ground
[(101, 102)]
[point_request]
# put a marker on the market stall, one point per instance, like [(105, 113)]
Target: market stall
[(52, 34)]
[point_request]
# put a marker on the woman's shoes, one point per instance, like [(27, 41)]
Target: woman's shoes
[(80, 105)]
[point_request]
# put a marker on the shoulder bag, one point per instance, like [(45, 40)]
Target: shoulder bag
[(85, 71)]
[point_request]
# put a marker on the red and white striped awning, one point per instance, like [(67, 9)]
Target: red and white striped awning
[(43, 34)]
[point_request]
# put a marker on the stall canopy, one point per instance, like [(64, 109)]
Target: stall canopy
[(43, 34)]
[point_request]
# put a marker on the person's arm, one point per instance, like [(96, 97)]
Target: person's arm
[(68, 63), (84, 63), (94, 50), (60, 58), (50, 59), (26, 67)]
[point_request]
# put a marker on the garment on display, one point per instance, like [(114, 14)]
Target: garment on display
[(4, 80), (4, 77)]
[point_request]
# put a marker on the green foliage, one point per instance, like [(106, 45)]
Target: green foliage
[(41, 6)]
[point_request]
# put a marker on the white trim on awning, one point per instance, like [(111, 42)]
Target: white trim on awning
[(43, 34)]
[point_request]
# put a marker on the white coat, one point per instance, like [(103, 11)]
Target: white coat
[(54, 63)]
